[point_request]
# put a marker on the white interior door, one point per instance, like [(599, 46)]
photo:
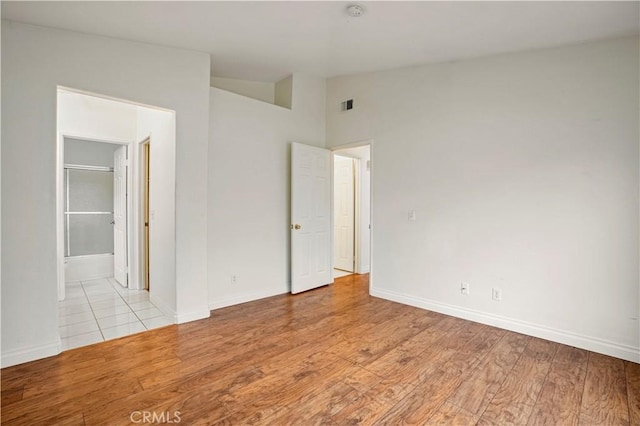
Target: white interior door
[(344, 213), (310, 217), (120, 215)]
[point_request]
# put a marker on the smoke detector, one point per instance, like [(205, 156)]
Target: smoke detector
[(355, 10)]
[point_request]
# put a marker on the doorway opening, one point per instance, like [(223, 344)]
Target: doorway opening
[(116, 236), (313, 211), (352, 210)]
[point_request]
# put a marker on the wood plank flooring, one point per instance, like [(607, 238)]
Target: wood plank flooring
[(331, 356)]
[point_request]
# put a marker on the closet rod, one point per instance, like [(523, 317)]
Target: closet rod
[(92, 168), (88, 212)]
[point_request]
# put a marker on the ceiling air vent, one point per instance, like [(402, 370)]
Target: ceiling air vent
[(346, 105)]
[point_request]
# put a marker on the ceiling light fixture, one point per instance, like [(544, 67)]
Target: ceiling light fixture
[(355, 10)]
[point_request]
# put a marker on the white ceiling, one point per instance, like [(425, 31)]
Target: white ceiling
[(266, 41)]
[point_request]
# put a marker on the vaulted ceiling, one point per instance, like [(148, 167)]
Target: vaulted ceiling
[(266, 41)]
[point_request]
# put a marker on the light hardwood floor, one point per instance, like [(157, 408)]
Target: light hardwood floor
[(334, 356)]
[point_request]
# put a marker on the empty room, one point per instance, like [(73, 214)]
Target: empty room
[(320, 212)]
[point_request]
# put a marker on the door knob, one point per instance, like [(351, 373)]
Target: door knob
[(113, 222), (296, 226)]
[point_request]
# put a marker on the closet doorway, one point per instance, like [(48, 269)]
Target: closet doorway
[(95, 210)]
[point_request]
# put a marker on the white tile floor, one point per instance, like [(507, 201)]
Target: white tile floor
[(98, 310)]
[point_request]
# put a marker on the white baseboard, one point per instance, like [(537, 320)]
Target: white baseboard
[(167, 311), (243, 298), (179, 318), (593, 344), (192, 316), (20, 356)]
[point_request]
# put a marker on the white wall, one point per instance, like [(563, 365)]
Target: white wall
[(88, 153), (96, 118), (363, 154), (284, 92), (35, 60), (159, 127), (249, 178), (523, 172), (260, 90), (308, 95), (96, 266)]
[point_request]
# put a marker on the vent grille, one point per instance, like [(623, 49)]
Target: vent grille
[(346, 105)]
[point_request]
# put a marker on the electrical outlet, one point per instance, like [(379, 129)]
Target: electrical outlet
[(464, 288), (496, 294), (234, 278)]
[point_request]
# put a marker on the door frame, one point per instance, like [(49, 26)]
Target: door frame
[(143, 149), (334, 149), (60, 204), (127, 185)]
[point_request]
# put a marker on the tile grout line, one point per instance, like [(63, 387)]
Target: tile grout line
[(86, 297), (136, 313), (92, 312), (113, 286), (146, 328), (121, 296)]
